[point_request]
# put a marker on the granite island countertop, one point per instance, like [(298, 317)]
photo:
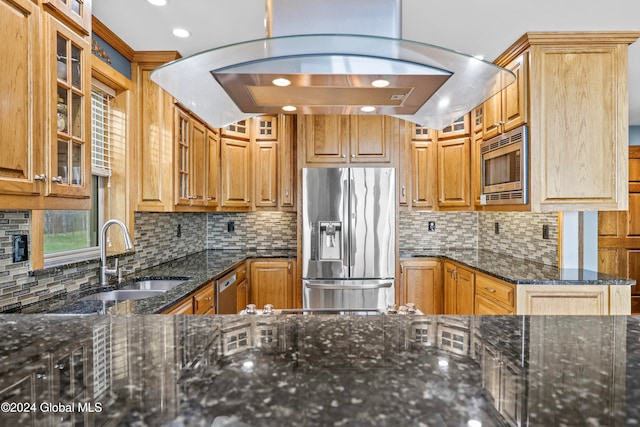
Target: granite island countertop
[(196, 269), (516, 270), (313, 370)]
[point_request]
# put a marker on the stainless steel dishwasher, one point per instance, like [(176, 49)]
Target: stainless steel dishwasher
[(226, 294)]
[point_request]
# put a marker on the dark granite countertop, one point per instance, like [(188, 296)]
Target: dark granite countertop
[(316, 370), (197, 269), (519, 271)]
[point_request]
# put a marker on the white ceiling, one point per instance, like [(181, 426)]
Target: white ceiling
[(474, 27)]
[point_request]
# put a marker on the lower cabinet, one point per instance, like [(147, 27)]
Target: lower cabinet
[(582, 300), (458, 289), (272, 283), (493, 296), (204, 300), (421, 284), (201, 302), (242, 296)]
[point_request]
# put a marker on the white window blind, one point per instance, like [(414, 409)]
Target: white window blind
[(100, 138)]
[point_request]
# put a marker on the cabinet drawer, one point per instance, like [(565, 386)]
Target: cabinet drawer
[(241, 273), (502, 293), (485, 306)]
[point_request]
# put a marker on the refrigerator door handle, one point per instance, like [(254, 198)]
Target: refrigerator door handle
[(380, 285)]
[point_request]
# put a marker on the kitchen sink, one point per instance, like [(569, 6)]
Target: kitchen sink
[(154, 284), (123, 295)]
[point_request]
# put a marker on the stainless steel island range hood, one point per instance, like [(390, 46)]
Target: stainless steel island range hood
[(332, 57)]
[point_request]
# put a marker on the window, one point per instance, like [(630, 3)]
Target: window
[(73, 235)]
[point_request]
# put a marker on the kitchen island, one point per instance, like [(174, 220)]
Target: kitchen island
[(318, 370)]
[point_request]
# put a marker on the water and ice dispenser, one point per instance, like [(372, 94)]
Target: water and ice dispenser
[(330, 240)]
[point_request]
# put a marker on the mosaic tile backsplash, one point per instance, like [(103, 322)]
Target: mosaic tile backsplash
[(452, 230), (261, 230), (520, 235), (157, 241)]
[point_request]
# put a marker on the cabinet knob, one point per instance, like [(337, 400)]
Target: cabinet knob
[(353, 156), (207, 298), (57, 179), (41, 376), (273, 201), (41, 177), (414, 201), (344, 155), (209, 199), (501, 122), (192, 197)]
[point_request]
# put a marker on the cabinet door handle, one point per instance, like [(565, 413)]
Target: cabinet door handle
[(57, 179), (286, 192), (289, 266), (192, 197), (41, 177), (207, 298), (486, 288), (401, 268), (209, 199), (403, 191)]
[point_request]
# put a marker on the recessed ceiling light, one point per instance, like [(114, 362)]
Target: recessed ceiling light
[(443, 103), (282, 82), (158, 2), (380, 83), (289, 108), (368, 109), (181, 32)]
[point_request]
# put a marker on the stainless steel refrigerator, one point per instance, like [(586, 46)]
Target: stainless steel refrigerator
[(348, 238)]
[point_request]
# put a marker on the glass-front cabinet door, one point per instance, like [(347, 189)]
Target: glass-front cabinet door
[(69, 112), (75, 13)]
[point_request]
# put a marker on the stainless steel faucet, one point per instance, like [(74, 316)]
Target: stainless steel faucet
[(128, 243)]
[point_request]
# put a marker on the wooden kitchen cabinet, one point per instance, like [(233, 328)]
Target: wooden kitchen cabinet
[(583, 300), (271, 282), (619, 235), (372, 138), (287, 162), (454, 173), (183, 307), (324, 137), (236, 174), (570, 75), (338, 139), (266, 173), (423, 174), (508, 109), (477, 119), (74, 13), (204, 299), (421, 281), (240, 129), (243, 293), (458, 289), (196, 164), (22, 168), (153, 181), (459, 128), (493, 296)]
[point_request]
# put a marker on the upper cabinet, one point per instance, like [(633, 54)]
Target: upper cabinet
[(46, 88), (336, 139), (579, 119), (435, 167), (74, 13), (153, 180), (507, 109), (21, 165)]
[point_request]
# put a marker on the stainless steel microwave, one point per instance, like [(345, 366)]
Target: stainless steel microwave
[(505, 168)]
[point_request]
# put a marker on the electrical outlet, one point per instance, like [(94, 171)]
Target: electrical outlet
[(179, 231), (545, 231), (431, 226), (231, 226), (496, 227), (20, 247)]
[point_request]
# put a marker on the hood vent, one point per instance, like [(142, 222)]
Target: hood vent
[(309, 65)]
